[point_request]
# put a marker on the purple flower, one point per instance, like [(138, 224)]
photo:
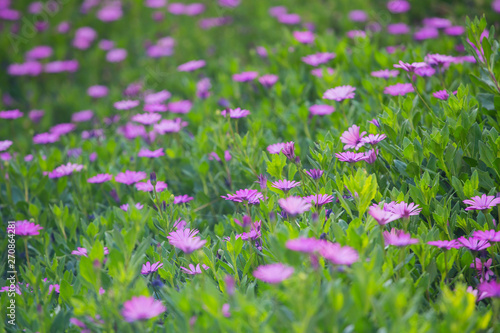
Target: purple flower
[(245, 76), (382, 216), (314, 173), (169, 126), (352, 138), (82, 116), (289, 19), (436, 22), (180, 199), (410, 68), (439, 59), (488, 235), (402, 209), (425, 71), (356, 34), (45, 138), (10, 114), (116, 55), (130, 177), (226, 307), (426, 33), (277, 11), (186, 240), (318, 58), (319, 199), (318, 72), (157, 98), (180, 106), (321, 109), (373, 139), (340, 93), (441, 94), (262, 180), (306, 245), (371, 156), (36, 115), (146, 118), (194, 270), (97, 91), (385, 73), (80, 251), (26, 228), (304, 37), (142, 308), (483, 202), (358, 16), (398, 29), (375, 122), (191, 66), (149, 268), (148, 187), (65, 170), (285, 185), (350, 157), (294, 205), (4, 145), (100, 178), (273, 273), (483, 270), (398, 6), (474, 244), (235, 113), (339, 255), (454, 30), (137, 205), (398, 238), (268, 80), (275, 148), (447, 245), (151, 153), (39, 52), (203, 88), (489, 289), (62, 129), (155, 108), (126, 104), (399, 89), (246, 195)]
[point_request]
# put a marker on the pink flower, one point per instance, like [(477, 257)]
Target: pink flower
[(474, 244), (340, 93), (399, 89), (268, 80), (186, 240), (373, 139), (4, 145), (356, 34), (146, 118), (318, 58), (80, 251), (441, 94), (382, 216), (447, 245), (142, 308), (319, 199), (398, 6), (294, 205), (157, 98), (235, 113), (304, 37), (148, 187), (398, 29), (285, 185), (402, 209), (410, 67), (97, 91), (246, 195), (398, 238), (358, 16), (385, 73), (483, 202), (149, 268), (100, 178), (194, 270), (321, 109), (318, 72), (180, 106), (273, 273), (45, 138), (245, 76), (26, 228), (169, 126), (489, 235), (226, 307), (339, 255), (126, 104), (116, 55), (151, 153), (275, 148), (314, 173), (352, 138), (350, 157), (306, 245), (82, 116), (130, 177), (489, 289), (138, 205), (289, 19), (191, 66), (10, 114), (371, 156), (289, 150), (180, 199), (65, 170)]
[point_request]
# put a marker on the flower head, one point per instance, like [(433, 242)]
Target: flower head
[(382, 216), (245, 76), (352, 138), (441, 94), (149, 268), (488, 235), (4, 145), (373, 139), (294, 205), (194, 270), (186, 240), (148, 186), (321, 109), (339, 255), (180, 106), (489, 289), (410, 67), (402, 209), (398, 238), (275, 148), (146, 118), (180, 199), (65, 170), (385, 73), (483, 202), (273, 273), (306, 245), (399, 89), (26, 228), (398, 6), (10, 114), (350, 157), (126, 104), (151, 153), (142, 308), (100, 178), (246, 195), (268, 80), (474, 244), (191, 66), (289, 150), (130, 177), (137, 205), (314, 173), (340, 93), (304, 37), (235, 113), (285, 185), (319, 199), (318, 58), (445, 244)]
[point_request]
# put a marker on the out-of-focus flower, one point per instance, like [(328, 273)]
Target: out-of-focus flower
[(192, 270), (483, 202), (149, 268), (100, 178), (398, 238), (273, 273), (340, 93), (142, 308), (294, 205), (130, 177), (26, 228), (339, 255), (186, 240)]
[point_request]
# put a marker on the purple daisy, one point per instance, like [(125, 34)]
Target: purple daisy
[(45, 138), (410, 67), (191, 66), (382, 216), (319, 199), (340, 93), (149, 268), (289, 150), (285, 185), (441, 94), (146, 118), (65, 170), (180, 199), (186, 240), (321, 109), (100, 178), (306, 245), (489, 289), (385, 73), (180, 106), (373, 139), (130, 177), (151, 153), (97, 91), (488, 235), (483, 202), (169, 126), (318, 58), (474, 244), (314, 173), (192, 270), (137, 205), (318, 72), (398, 238), (235, 113), (148, 187), (304, 37), (245, 76), (273, 273), (339, 255), (142, 308), (275, 148), (26, 228), (352, 138), (399, 89), (398, 6), (10, 114), (4, 145), (371, 156), (126, 104), (294, 205), (350, 157), (268, 80), (245, 195), (398, 29), (445, 244)]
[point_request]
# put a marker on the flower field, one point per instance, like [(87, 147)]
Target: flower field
[(249, 166)]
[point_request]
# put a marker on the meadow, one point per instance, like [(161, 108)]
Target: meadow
[(249, 166)]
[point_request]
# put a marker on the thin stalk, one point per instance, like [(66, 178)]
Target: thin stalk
[(27, 253)]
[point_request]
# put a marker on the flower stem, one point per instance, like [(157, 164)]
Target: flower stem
[(27, 252)]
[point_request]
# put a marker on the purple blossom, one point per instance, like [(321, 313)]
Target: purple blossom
[(289, 19), (314, 173), (45, 138), (158, 97), (318, 72), (398, 238), (149, 268), (36, 115), (26, 228), (126, 104), (410, 67), (436, 22), (339, 255), (268, 80), (289, 150), (186, 240), (10, 114), (454, 30), (191, 66), (319, 199), (488, 235), (65, 170), (262, 180), (352, 138), (137, 205), (398, 6), (439, 59), (130, 177), (194, 270), (285, 185), (100, 178), (146, 118), (294, 205), (235, 113), (306, 245), (489, 289), (426, 33), (82, 116), (483, 202), (180, 199), (318, 58), (425, 71), (169, 126), (350, 157), (441, 94), (321, 109), (358, 16), (304, 37), (399, 89), (398, 29), (382, 216), (142, 308), (445, 244), (474, 244), (180, 106), (246, 195), (4, 145), (97, 91), (385, 73), (148, 186), (155, 108), (273, 273), (275, 148), (245, 76), (340, 93), (373, 139), (151, 153)]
